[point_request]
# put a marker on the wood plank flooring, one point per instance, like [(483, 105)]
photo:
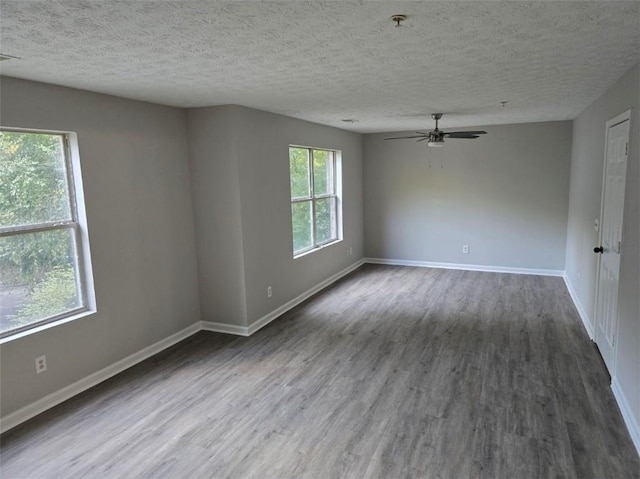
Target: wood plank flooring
[(393, 372)]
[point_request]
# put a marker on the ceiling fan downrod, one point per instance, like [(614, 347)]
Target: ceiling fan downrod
[(436, 117)]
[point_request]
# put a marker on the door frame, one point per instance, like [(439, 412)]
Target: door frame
[(624, 116)]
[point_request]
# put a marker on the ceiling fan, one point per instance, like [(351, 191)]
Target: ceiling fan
[(436, 137)]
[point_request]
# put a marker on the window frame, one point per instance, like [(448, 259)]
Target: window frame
[(312, 198), (79, 235)]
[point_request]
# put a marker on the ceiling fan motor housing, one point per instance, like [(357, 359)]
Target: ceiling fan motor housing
[(436, 136)]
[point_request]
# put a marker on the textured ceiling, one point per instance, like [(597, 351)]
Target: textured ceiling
[(324, 61)]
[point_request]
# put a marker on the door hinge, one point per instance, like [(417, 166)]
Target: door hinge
[(626, 148)]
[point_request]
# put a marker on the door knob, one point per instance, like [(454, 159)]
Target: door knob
[(598, 249)]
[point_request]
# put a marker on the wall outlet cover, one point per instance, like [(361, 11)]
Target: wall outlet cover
[(41, 364)]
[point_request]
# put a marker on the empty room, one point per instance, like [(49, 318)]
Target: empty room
[(319, 239)]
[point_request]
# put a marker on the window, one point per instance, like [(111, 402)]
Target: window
[(315, 185), (44, 265)]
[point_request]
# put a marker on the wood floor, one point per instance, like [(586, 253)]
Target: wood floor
[(394, 372)]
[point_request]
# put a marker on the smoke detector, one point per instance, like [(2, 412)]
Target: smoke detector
[(398, 19)]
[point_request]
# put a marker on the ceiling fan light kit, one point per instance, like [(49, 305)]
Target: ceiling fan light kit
[(435, 138)]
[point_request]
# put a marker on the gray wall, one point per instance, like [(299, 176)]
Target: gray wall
[(253, 148), (213, 139), (586, 185), (136, 182), (504, 194)]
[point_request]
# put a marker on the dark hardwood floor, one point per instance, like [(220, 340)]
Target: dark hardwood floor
[(393, 372)]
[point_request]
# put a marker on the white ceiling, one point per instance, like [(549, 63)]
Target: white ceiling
[(325, 61)]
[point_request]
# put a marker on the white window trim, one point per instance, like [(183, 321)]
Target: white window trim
[(337, 187), (78, 223)]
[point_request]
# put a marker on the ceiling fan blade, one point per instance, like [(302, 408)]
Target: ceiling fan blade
[(469, 137), (464, 133), (405, 137), (425, 138)]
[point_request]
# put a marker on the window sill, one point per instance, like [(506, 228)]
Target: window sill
[(317, 248), (27, 332)]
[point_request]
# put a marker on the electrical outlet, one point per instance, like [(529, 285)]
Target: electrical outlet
[(268, 291), (41, 364), (350, 251), (465, 248)]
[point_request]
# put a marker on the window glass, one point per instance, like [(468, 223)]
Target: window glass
[(314, 199), (302, 226), (325, 220), (41, 260), (33, 179), (299, 170), (322, 172), (38, 277)]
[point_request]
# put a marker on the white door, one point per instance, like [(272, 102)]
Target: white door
[(615, 172)]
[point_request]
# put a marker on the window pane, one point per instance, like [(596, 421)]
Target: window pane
[(326, 220), (37, 277), (299, 172), (33, 188), (323, 172), (301, 219)]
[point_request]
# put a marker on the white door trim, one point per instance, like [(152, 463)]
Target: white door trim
[(622, 117)]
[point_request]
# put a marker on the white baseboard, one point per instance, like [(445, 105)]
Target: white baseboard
[(466, 267), (586, 321), (225, 328), (31, 410), (627, 414), (53, 399), (266, 319)]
